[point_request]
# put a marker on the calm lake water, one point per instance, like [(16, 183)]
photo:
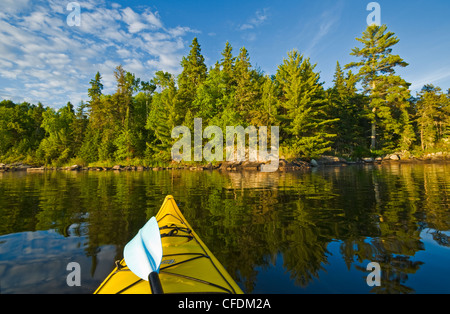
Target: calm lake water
[(306, 232)]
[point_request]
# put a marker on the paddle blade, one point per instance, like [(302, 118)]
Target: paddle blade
[(143, 254)]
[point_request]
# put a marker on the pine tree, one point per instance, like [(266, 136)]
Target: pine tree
[(163, 117), (227, 69), (446, 111), (90, 146), (432, 116), (127, 84), (95, 92), (37, 133), (303, 101), (96, 87), (388, 93), (266, 112), (98, 116), (248, 90), (78, 128), (142, 107), (57, 145), (107, 127), (348, 106), (208, 102), (191, 78), (125, 142), (21, 129)]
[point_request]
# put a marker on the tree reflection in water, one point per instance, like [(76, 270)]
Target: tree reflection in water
[(249, 219)]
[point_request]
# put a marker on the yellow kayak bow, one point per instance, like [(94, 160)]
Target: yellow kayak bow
[(187, 266)]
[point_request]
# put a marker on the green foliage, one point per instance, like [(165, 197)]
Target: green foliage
[(136, 121), (20, 130), (302, 102), (388, 93), (432, 117), (90, 146), (266, 111), (58, 144), (193, 75), (351, 110), (163, 117)]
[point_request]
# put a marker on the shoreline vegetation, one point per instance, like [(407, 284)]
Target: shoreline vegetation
[(284, 165), (366, 116)]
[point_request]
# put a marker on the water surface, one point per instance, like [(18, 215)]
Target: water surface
[(303, 232)]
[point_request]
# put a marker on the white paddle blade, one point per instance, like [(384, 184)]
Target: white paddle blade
[(143, 254), (152, 241)]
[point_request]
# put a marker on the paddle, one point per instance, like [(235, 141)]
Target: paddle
[(143, 255)]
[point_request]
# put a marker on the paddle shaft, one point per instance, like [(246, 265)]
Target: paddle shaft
[(155, 283)]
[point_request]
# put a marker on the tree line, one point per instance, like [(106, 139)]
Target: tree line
[(369, 109)]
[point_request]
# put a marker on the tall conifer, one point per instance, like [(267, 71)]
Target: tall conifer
[(303, 102), (388, 92)]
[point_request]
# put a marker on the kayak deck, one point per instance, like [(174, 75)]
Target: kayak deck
[(187, 266)]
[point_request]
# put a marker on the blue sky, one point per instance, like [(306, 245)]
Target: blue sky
[(44, 59)]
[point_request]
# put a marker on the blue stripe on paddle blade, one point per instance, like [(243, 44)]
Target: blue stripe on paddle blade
[(143, 254)]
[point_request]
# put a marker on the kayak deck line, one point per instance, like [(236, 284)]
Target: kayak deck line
[(201, 281), (187, 266), (162, 270), (121, 267), (197, 256)]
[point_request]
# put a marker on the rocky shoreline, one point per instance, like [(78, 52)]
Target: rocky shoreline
[(284, 165)]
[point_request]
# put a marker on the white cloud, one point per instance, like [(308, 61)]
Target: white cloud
[(133, 20), (153, 19), (5, 64), (181, 31), (13, 6), (327, 23), (123, 53), (430, 78), (137, 22), (9, 74), (134, 66), (260, 17), (44, 59)]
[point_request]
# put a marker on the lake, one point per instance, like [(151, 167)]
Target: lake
[(276, 233)]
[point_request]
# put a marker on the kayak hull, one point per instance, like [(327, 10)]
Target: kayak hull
[(187, 266)]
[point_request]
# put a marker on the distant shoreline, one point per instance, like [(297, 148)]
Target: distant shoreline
[(284, 165)]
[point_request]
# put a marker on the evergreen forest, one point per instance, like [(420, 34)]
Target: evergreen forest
[(368, 111)]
